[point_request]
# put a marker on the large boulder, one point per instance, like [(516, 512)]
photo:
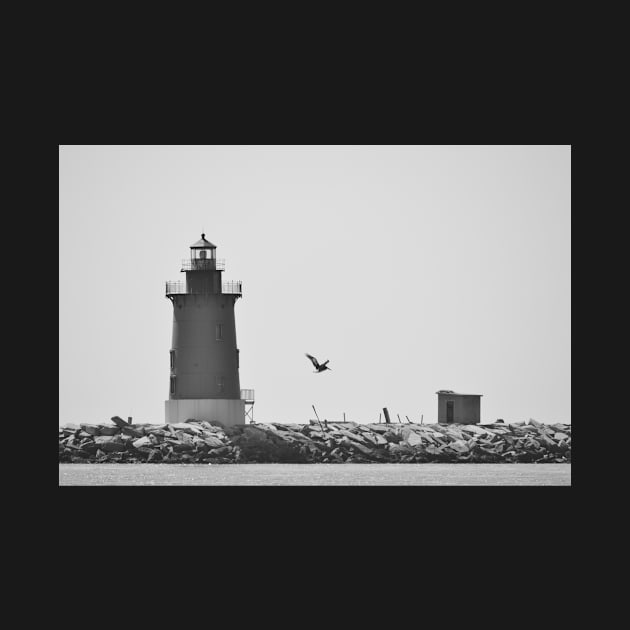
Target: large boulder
[(186, 427), (413, 439), (213, 442), (459, 446), (434, 450), (473, 428), (143, 441), (182, 447), (375, 438), (119, 422), (157, 432), (392, 437), (184, 437), (110, 444), (354, 445), (452, 433), (379, 428), (132, 431)]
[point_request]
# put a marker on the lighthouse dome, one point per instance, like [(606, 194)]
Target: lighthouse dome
[(202, 243)]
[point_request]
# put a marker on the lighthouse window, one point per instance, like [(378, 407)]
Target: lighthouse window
[(219, 330), (172, 359), (202, 253), (220, 384), (172, 384)]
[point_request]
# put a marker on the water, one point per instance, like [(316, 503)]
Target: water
[(314, 474)]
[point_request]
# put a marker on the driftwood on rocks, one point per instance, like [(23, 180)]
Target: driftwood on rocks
[(200, 442)]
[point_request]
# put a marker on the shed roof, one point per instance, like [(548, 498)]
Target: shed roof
[(202, 243), (449, 392)]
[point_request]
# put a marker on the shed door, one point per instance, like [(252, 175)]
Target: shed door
[(449, 411)]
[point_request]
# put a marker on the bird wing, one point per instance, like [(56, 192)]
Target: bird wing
[(313, 360)]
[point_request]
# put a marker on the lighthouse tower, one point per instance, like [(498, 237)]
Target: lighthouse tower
[(204, 381)]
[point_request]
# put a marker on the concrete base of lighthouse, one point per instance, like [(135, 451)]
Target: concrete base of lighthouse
[(228, 412)]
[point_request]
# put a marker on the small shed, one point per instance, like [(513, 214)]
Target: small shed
[(458, 408)]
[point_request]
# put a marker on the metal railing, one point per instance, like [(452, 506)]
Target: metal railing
[(247, 395), (232, 288), (174, 287), (201, 264)]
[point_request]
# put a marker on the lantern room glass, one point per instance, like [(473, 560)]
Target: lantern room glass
[(203, 254)]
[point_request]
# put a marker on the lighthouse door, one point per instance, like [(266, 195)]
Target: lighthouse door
[(449, 411)]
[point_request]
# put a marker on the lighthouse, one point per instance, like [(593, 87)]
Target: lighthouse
[(204, 358)]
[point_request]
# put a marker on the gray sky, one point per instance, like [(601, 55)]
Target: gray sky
[(412, 268)]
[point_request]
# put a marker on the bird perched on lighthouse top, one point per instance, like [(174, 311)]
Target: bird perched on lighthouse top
[(318, 367)]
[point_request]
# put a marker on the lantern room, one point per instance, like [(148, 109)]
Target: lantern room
[(202, 251), (203, 257)]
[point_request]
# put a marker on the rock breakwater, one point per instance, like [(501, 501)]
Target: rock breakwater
[(196, 442)]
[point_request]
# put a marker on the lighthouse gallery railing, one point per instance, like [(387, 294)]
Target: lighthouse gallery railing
[(203, 264), (175, 287)]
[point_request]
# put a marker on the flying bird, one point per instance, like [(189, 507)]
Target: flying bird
[(318, 367)]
